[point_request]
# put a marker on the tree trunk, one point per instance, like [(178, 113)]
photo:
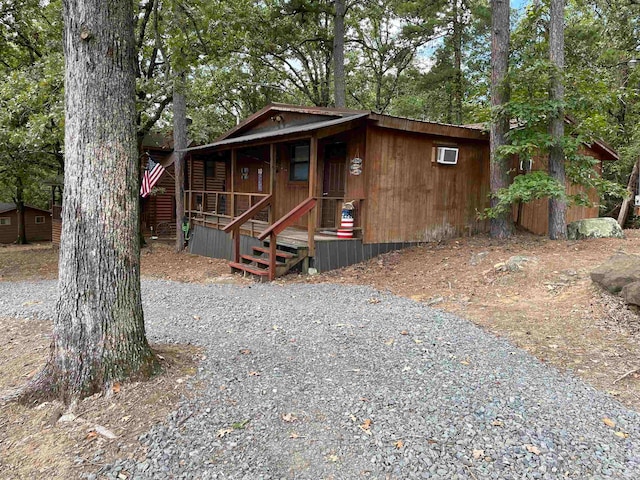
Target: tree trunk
[(457, 56), (339, 83), (502, 225), (19, 201), (179, 143), (624, 209), (99, 334), (557, 206)]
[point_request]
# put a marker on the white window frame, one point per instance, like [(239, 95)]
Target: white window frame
[(5, 221), (40, 217), (441, 150)]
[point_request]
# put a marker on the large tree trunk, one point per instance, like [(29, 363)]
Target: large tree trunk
[(99, 334), (19, 201), (179, 143), (457, 56), (339, 83), (502, 225), (557, 206)]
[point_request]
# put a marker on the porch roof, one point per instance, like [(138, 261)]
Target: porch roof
[(284, 132)]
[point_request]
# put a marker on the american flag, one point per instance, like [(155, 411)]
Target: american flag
[(150, 177)]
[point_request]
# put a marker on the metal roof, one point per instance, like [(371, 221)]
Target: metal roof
[(309, 127)]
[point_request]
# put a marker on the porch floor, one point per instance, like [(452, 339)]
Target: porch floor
[(292, 235)]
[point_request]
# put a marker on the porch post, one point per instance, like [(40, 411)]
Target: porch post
[(272, 182), (233, 189), (313, 177)]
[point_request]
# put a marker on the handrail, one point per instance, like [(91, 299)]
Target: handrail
[(290, 218), (248, 215)]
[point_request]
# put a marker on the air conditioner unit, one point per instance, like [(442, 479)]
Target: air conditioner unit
[(637, 201), (447, 155)]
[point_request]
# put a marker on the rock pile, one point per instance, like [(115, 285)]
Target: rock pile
[(620, 275)]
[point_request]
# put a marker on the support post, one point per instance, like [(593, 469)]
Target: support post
[(313, 182), (234, 157), (272, 182), (236, 245), (272, 256)]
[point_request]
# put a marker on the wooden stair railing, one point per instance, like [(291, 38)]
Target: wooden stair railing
[(234, 226), (278, 227)]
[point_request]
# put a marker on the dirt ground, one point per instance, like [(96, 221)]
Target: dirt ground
[(549, 307)]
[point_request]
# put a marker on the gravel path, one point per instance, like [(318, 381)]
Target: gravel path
[(334, 382)]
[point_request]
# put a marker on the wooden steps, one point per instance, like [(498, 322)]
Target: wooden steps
[(257, 264)]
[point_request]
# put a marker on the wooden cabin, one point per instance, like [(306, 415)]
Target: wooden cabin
[(158, 210), (37, 223), (271, 192)]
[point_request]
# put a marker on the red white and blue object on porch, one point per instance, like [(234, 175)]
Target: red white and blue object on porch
[(150, 177)]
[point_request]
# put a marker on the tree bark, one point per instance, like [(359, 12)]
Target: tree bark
[(557, 206), (179, 143), (99, 334), (19, 201), (502, 225), (624, 209), (339, 83), (457, 56)]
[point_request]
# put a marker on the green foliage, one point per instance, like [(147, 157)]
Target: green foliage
[(525, 188)]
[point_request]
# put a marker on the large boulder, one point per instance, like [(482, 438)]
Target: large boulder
[(631, 293), (594, 228), (617, 272)]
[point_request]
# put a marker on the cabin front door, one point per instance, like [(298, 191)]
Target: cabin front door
[(333, 184)]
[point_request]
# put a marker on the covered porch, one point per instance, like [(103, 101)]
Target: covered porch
[(284, 187)]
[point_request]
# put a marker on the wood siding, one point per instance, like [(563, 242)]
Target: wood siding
[(35, 232), (411, 198), (534, 216)]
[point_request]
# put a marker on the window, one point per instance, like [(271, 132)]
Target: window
[(39, 219), (5, 220), (448, 155), (210, 169), (299, 171)]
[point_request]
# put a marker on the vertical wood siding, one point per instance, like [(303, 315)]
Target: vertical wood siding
[(411, 198)]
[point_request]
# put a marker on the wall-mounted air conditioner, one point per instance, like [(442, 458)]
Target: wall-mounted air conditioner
[(447, 155), (637, 201)]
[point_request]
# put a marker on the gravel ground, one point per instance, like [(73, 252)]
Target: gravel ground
[(335, 382)]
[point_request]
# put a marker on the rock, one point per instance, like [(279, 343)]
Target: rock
[(514, 264), (476, 258), (631, 293), (594, 228), (617, 272)]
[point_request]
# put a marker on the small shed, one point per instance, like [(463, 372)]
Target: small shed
[(37, 223), (330, 187)]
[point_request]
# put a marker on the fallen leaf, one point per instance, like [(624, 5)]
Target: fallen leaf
[(417, 341), (254, 374), (289, 417), (608, 422), (399, 444), (353, 418), (497, 423), (116, 387), (240, 425), (621, 434), (92, 435), (389, 342), (532, 449), (196, 317), (404, 332), (125, 419), (374, 300), (245, 351), (614, 393), (366, 426), (294, 435), (31, 373), (276, 328), (465, 362), (332, 458), (105, 433), (223, 432), (477, 454)]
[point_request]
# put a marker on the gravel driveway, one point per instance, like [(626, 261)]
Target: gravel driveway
[(335, 382)]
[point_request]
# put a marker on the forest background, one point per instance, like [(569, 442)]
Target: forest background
[(423, 60)]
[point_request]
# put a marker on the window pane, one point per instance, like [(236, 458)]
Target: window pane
[(300, 171)]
